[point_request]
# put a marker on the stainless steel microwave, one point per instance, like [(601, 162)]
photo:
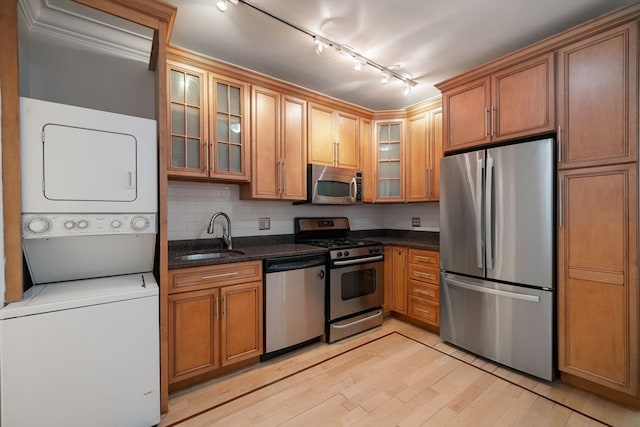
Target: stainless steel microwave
[(328, 185)]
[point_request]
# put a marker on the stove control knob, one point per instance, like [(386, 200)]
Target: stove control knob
[(377, 250), (38, 225), (371, 250), (346, 253), (339, 254), (69, 224), (82, 224)]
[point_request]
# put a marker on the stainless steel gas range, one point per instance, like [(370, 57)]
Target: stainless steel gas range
[(355, 289)]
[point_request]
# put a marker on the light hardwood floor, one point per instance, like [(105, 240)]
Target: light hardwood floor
[(393, 375)]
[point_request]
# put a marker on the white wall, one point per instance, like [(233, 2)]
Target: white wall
[(191, 205), (53, 71)]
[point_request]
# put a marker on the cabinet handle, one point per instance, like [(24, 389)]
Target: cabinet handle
[(423, 310), (428, 182), (284, 177), (560, 201), (337, 152), (206, 155), (493, 120), (217, 308), (486, 122), (420, 274), (423, 258), (217, 276), (559, 144), (224, 306), (423, 292)]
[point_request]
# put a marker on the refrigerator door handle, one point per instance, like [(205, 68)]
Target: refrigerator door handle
[(498, 292), (488, 213), (478, 209)]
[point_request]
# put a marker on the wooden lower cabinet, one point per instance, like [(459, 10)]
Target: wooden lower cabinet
[(412, 280), (215, 327), (395, 271), (598, 277), (424, 286)]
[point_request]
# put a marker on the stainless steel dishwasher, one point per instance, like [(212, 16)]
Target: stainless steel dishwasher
[(294, 302)]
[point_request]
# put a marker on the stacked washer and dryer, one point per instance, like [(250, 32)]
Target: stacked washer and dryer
[(82, 347)]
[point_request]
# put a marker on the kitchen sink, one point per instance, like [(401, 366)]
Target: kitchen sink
[(217, 253)]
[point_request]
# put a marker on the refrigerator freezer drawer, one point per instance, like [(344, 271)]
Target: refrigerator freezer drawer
[(511, 325)]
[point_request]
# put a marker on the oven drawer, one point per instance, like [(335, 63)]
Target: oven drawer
[(424, 274), (424, 310), (424, 290)]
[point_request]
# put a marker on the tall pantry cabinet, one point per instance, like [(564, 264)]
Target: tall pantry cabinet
[(598, 306)]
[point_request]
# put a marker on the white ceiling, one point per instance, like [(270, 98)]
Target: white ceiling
[(430, 40)]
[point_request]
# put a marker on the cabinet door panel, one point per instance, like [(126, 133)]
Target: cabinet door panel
[(241, 331), (265, 136), (366, 160), (466, 115), (435, 146), (294, 148), (321, 140), (597, 284), (596, 114), (188, 124), (417, 166), (348, 153), (399, 284), (193, 334), (524, 99)]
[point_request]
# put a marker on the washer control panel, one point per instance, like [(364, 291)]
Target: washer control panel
[(56, 225)]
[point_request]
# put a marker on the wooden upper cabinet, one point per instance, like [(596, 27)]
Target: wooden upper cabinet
[(389, 160), (597, 99), (278, 141), (516, 101), (423, 154), (188, 123), (466, 114), (208, 125), (229, 146), (366, 160), (334, 137), (598, 277)]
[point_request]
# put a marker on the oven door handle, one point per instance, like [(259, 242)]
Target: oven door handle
[(359, 260)]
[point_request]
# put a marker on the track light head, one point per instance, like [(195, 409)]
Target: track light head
[(385, 77), (222, 5), (319, 46), (406, 88), (357, 64)]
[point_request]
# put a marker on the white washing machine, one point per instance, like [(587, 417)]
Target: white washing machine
[(82, 348)]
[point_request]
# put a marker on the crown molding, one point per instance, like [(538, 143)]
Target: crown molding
[(79, 25)]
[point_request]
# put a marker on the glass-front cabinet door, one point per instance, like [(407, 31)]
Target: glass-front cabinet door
[(188, 124), (389, 161), (229, 147)]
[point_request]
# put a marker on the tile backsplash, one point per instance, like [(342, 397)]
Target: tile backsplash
[(191, 205)]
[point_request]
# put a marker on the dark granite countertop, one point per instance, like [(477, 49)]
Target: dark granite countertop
[(263, 247)]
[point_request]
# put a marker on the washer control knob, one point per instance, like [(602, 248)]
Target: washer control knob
[(139, 223), (116, 223), (82, 224), (38, 225), (69, 224)]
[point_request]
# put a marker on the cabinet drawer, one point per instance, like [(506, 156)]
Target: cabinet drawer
[(425, 274), (424, 290), (421, 256), (426, 311), (189, 279)]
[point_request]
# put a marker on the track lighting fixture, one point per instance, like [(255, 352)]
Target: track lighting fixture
[(321, 43), (223, 4)]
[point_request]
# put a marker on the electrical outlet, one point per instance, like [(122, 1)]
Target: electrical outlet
[(415, 221), (264, 223)]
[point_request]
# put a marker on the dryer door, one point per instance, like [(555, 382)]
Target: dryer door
[(81, 164)]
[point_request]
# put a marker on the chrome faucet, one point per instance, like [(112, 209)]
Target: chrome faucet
[(226, 235)]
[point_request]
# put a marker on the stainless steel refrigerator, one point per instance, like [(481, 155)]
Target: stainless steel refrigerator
[(497, 252)]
